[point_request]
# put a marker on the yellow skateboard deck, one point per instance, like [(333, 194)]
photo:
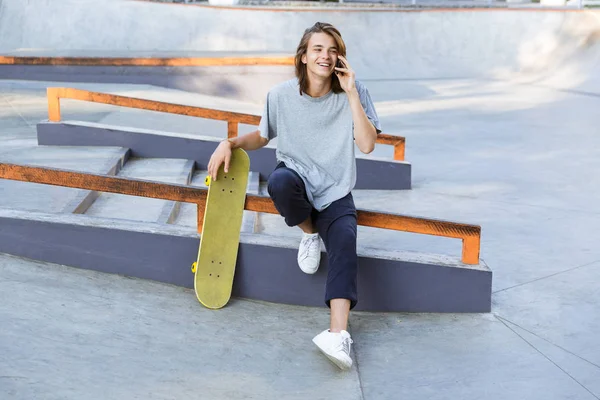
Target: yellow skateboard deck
[(220, 238)]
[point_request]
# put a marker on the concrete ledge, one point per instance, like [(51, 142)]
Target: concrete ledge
[(266, 270), (372, 173)]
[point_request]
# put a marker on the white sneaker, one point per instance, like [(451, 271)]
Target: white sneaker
[(309, 253), (336, 346)]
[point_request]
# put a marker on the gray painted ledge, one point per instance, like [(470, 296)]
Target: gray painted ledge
[(389, 280), (372, 173)]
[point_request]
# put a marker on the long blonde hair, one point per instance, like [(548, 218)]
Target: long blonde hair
[(301, 74)]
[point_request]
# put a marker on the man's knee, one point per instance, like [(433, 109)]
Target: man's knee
[(282, 180), (289, 196)]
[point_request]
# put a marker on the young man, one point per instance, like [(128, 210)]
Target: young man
[(317, 118)]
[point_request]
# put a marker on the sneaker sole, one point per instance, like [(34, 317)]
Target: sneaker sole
[(339, 363), (308, 271)]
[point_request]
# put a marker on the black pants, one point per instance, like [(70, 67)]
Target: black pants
[(336, 225)]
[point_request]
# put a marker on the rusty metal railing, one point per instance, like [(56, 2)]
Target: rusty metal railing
[(232, 118), (469, 234), (148, 61)]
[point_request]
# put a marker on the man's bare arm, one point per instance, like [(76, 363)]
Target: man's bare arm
[(365, 134), (248, 142), (222, 155)]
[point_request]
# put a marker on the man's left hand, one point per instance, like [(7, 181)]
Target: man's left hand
[(345, 75)]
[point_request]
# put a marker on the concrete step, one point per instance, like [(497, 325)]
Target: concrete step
[(110, 205), (389, 280), (56, 199)]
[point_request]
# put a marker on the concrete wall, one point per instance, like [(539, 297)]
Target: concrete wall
[(438, 44)]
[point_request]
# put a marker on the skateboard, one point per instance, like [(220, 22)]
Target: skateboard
[(217, 255)]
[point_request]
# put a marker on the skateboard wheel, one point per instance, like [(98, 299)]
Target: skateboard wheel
[(194, 265), (207, 180)]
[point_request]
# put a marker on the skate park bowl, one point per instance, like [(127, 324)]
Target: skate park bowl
[(535, 45), (401, 56)]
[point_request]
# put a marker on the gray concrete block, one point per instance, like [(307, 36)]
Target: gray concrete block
[(267, 270), (372, 173)]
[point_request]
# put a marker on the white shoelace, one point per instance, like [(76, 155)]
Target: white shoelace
[(346, 345), (311, 247)]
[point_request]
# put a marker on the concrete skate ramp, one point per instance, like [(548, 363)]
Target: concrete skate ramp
[(535, 46)]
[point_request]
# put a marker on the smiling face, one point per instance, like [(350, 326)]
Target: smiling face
[(321, 56), (316, 57)]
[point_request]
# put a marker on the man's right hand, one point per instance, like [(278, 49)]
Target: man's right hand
[(222, 155)]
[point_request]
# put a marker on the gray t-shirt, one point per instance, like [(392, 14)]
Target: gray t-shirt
[(315, 138)]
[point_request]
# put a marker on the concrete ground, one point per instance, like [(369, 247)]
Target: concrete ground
[(517, 160), (516, 156)]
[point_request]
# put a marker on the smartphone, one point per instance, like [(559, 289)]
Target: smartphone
[(339, 64)]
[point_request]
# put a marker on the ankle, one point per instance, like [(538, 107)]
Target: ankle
[(307, 226)]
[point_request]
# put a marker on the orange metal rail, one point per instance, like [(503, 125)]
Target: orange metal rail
[(148, 61), (232, 118), (469, 234)]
